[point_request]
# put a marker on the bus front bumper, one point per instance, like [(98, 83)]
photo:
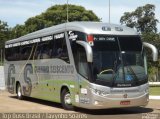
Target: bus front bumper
[(99, 102)]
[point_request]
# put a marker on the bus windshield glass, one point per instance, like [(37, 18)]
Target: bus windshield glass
[(118, 61)]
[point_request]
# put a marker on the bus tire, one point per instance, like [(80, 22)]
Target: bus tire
[(66, 99), (19, 92)]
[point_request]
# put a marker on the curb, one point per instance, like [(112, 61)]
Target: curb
[(154, 84), (154, 97)]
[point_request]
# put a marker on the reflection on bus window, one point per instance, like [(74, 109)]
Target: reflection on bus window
[(56, 48), (61, 51), (80, 60), (26, 52), (42, 52)]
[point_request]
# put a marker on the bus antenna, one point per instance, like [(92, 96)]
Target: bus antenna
[(67, 11), (109, 11)]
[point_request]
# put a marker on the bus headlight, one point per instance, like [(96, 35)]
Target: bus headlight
[(99, 92)]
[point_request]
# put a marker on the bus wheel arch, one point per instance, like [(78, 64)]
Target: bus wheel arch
[(19, 90), (65, 97)]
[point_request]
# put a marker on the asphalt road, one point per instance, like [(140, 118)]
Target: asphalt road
[(10, 104)]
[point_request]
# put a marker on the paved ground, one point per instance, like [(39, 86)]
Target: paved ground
[(10, 104)]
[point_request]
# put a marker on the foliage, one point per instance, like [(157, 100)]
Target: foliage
[(4, 33), (143, 19), (52, 16), (153, 38), (17, 31)]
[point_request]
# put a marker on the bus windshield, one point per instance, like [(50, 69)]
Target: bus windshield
[(118, 61)]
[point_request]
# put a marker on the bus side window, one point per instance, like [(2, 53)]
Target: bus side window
[(76, 35), (41, 51), (37, 53), (44, 50), (13, 54), (80, 60), (79, 53), (8, 54), (26, 52), (61, 51)]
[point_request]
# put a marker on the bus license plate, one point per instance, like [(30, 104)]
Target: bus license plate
[(125, 103)]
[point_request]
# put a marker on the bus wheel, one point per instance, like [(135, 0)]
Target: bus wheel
[(66, 99), (19, 92)]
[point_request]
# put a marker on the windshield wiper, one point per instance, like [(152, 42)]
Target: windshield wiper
[(133, 73), (115, 73)]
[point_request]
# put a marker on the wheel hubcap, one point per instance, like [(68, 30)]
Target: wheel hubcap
[(19, 92), (67, 99)]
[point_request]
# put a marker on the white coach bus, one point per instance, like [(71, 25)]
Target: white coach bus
[(91, 65)]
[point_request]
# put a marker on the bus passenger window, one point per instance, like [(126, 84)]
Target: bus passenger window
[(44, 50), (26, 52), (12, 54), (60, 49)]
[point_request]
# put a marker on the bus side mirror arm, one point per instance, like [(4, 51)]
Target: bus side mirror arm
[(88, 50), (154, 50)]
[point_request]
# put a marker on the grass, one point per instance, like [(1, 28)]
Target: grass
[(154, 91), (1, 63)]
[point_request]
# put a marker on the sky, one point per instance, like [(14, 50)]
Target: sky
[(18, 11)]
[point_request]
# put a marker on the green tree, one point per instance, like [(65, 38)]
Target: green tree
[(17, 31), (56, 15), (153, 38), (34, 24), (4, 33), (143, 19)]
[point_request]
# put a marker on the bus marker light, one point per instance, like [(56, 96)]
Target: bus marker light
[(118, 29), (83, 90), (96, 102), (106, 28), (77, 98), (72, 86), (90, 40)]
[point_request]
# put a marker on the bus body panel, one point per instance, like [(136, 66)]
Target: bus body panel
[(45, 78), (137, 96)]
